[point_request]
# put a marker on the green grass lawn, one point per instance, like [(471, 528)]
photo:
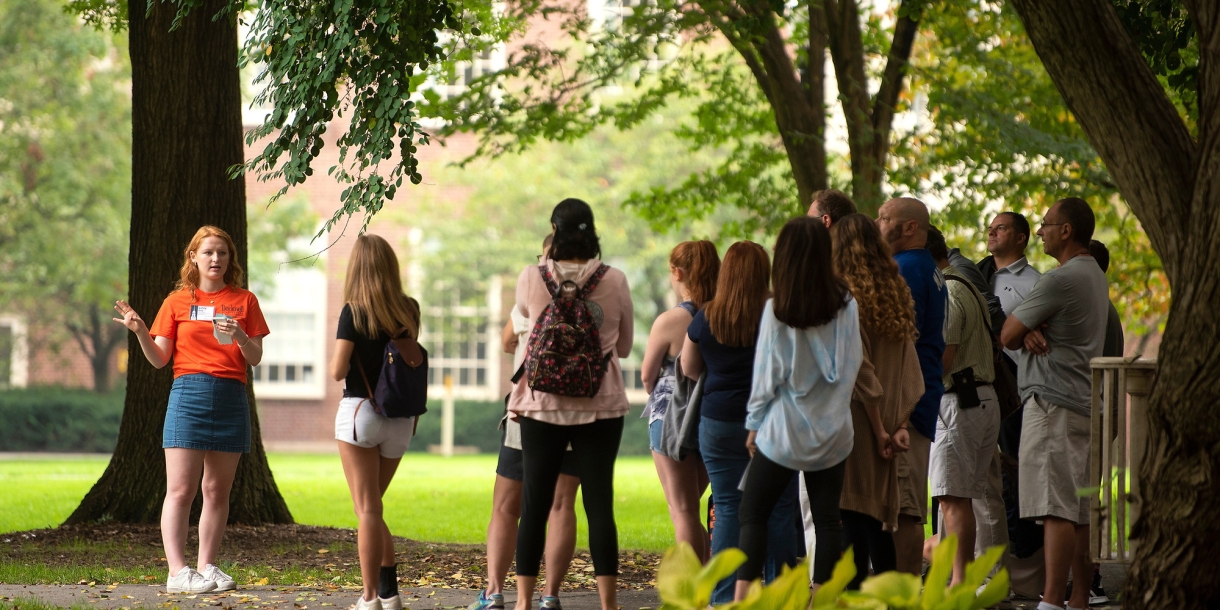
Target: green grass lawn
[(432, 498)]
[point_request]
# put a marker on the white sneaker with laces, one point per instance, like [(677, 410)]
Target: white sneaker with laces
[(188, 581), (391, 603), (223, 581), (373, 604)]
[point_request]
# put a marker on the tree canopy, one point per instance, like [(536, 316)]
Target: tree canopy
[(65, 171)]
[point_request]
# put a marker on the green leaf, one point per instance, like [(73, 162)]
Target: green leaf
[(939, 572), (995, 591), (844, 571), (977, 570), (676, 576), (722, 565), (896, 589)]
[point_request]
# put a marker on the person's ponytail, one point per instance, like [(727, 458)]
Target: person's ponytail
[(575, 235), (702, 266)]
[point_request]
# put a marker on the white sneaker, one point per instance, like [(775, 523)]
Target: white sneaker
[(188, 581), (391, 603), (223, 581), (373, 604)]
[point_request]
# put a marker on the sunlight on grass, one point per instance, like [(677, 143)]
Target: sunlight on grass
[(432, 498)]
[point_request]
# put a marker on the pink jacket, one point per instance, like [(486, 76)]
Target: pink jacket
[(616, 333)]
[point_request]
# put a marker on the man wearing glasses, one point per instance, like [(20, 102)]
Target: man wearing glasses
[(1009, 274), (1062, 326)]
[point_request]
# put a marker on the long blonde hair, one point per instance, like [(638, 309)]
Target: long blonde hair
[(863, 260), (188, 275), (373, 289), (735, 313)]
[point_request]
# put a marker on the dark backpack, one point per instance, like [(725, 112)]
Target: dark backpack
[(402, 386), (564, 353)]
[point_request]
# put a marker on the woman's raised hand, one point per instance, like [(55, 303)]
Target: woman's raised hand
[(130, 319)]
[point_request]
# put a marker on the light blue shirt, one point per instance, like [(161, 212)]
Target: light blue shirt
[(800, 400), (1012, 284)]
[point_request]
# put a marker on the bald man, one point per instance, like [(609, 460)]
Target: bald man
[(904, 226)]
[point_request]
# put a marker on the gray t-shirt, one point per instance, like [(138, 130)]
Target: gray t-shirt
[(1073, 300)]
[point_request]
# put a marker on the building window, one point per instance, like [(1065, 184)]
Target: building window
[(13, 355), (466, 72), (463, 338), (295, 350)]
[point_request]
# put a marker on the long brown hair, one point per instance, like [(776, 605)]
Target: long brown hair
[(188, 275), (373, 289), (807, 293), (741, 294), (702, 266), (863, 261)]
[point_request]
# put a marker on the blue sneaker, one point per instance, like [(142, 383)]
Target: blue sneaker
[(550, 602), (495, 601)]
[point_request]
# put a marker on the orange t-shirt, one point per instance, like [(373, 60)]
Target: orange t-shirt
[(196, 349)]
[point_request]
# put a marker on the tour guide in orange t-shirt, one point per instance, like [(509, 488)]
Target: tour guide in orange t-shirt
[(212, 329)]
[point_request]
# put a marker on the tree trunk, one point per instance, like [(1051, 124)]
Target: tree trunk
[(186, 132), (98, 342), (1172, 183), (869, 120)]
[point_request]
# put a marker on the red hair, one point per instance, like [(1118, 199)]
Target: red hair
[(189, 274), (702, 266), (741, 294)]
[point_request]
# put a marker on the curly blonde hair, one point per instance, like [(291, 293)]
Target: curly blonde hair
[(863, 260)]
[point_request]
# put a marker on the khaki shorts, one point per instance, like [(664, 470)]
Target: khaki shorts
[(913, 477), (1054, 462), (965, 444)]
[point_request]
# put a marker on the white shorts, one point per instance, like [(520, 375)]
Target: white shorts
[(965, 445), (364, 427)]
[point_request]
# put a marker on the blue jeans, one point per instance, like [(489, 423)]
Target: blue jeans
[(723, 445)]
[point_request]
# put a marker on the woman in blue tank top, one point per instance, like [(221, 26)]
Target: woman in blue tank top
[(693, 269)]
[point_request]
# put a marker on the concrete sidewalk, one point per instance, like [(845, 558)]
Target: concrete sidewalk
[(282, 598)]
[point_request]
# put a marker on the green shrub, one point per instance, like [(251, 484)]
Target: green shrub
[(60, 419), (475, 424), (683, 583)]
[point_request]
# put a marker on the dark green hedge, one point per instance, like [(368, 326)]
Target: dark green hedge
[(474, 424), (59, 419)]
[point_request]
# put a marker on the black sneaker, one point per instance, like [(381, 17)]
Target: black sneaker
[(1097, 595)]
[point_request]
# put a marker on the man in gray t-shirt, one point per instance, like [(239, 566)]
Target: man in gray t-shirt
[(1062, 325), (1070, 306)]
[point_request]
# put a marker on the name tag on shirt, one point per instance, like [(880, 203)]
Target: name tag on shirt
[(203, 312)]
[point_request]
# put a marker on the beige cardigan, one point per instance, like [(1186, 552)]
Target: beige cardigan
[(891, 378)]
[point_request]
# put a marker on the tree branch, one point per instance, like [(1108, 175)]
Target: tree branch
[(885, 101), (1123, 110)]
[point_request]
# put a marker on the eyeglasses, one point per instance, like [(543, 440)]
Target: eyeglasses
[(1053, 224), (539, 258)]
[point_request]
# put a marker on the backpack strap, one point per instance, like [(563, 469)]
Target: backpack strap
[(364, 376), (594, 280), (548, 281)]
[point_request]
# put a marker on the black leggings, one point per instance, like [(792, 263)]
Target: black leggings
[(765, 483), (871, 542), (594, 447)]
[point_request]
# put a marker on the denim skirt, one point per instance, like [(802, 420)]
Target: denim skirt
[(207, 413)]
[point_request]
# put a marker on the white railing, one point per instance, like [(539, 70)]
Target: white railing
[(1119, 437)]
